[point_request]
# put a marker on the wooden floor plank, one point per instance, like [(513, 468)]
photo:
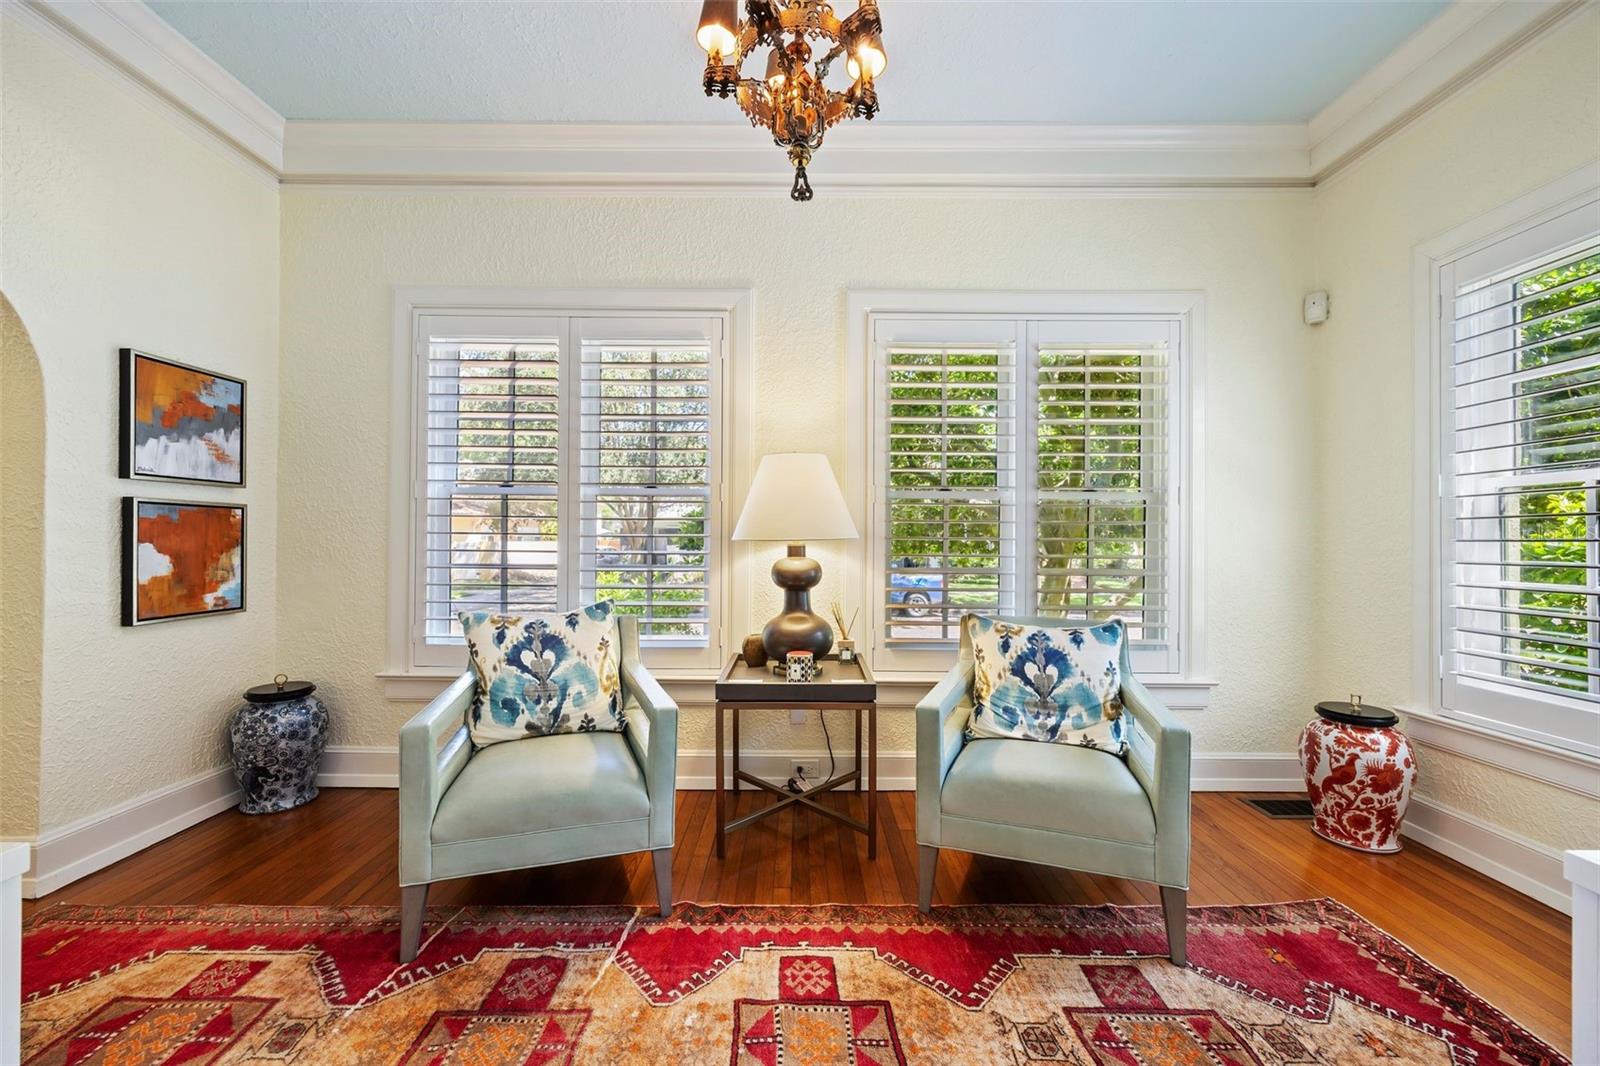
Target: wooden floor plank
[(341, 850)]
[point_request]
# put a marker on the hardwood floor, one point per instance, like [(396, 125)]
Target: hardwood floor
[(341, 850)]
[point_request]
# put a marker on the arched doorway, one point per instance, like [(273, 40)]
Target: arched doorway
[(21, 575)]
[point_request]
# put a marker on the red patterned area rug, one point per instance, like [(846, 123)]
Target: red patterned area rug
[(1289, 984)]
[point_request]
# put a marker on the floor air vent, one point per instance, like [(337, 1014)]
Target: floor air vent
[(1282, 808)]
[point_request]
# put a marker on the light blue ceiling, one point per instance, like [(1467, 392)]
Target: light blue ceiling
[(566, 61)]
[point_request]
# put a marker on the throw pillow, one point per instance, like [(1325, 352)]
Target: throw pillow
[(541, 674), (1057, 685)]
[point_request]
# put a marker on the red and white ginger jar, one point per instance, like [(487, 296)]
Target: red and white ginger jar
[(1359, 772)]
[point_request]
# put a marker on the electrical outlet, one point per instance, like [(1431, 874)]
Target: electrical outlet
[(811, 768), (797, 717)]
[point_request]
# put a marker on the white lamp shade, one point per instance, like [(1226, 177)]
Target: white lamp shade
[(795, 499), (719, 23)]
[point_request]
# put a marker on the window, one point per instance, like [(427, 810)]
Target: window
[(565, 459), (1026, 466), (1519, 328), (950, 478), (647, 475)]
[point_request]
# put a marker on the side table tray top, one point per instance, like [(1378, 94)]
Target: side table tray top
[(840, 687)]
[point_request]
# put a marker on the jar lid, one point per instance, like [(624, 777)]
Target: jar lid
[(1354, 712), (280, 691)]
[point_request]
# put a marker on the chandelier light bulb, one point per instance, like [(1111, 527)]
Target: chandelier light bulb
[(775, 73), (868, 56), (718, 22)]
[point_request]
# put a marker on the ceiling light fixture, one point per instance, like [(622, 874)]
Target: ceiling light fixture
[(791, 100)]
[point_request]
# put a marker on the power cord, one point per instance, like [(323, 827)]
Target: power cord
[(798, 783), (823, 717)]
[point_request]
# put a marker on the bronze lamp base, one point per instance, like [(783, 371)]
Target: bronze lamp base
[(796, 628)]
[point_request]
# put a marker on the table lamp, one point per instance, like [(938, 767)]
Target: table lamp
[(794, 498)]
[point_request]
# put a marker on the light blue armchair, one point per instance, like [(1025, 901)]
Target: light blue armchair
[(534, 802), (1056, 804)]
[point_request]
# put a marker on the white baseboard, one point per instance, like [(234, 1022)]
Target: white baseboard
[(77, 849), (69, 852), (1246, 772), (353, 767), (897, 770), (1521, 864), (1515, 861)]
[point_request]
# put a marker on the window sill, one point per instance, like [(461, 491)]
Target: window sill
[(415, 686), (906, 688), (1182, 693), (1541, 762), (697, 688)]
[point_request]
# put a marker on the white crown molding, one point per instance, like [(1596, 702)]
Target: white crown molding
[(1461, 44), (859, 159), (1022, 160), (881, 159), (141, 44)]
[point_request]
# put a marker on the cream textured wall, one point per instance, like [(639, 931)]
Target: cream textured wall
[(343, 250), (1500, 138), (21, 574), (123, 227)]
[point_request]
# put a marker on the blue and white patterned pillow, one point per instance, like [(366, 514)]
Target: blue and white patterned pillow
[(541, 674), (1062, 686)]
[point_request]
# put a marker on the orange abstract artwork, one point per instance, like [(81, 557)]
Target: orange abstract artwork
[(184, 423), (187, 559)]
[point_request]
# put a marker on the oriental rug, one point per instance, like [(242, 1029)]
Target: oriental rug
[(1308, 983)]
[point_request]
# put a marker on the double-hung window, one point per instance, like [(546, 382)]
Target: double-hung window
[(566, 459), (1026, 466), (1519, 369)]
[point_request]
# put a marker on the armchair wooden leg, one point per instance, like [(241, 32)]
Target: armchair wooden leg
[(927, 865), (1175, 905), (413, 900), (662, 857)]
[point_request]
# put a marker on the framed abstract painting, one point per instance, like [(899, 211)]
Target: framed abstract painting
[(180, 423), (181, 560)]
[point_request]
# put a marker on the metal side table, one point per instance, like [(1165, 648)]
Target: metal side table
[(839, 687)]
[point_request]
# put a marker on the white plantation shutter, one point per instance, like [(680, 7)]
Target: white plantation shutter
[(647, 474), (1026, 466), (948, 476), (491, 471), (565, 460), (1102, 465), (1520, 326)]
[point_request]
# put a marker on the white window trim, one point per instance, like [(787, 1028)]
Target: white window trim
[(1523, 755), (1187, 398), (403, 678)]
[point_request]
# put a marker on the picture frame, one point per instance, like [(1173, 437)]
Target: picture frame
[(182, 559), (180, 422)]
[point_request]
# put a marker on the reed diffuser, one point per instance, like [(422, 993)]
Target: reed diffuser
[(845, 645)]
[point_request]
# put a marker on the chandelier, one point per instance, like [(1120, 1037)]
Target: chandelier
[(792, 100)]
